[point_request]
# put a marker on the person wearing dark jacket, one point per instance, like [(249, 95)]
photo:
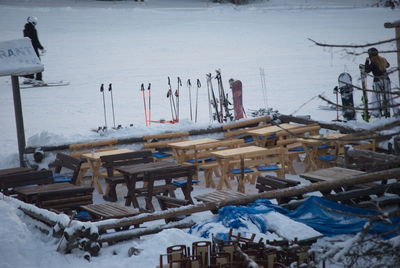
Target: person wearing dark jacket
[(382, 96), (31, 33)]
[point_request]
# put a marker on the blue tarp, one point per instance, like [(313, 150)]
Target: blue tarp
[(327, 217)]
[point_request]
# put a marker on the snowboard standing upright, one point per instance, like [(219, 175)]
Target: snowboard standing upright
[(346, 92), (238, 109)]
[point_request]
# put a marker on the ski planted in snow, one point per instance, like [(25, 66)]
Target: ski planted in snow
[(213, 101)]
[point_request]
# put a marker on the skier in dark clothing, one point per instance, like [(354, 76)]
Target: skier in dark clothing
[(382, 96), (30, 31)]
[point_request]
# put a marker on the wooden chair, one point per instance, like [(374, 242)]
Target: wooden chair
[(158, 143), (204, 250), (110, 162), (238, 129), (64, 161), (82, 148)]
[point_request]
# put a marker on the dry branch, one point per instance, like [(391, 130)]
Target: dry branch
[(354, 46)]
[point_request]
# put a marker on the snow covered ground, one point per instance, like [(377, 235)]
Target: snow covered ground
[(128, 43)]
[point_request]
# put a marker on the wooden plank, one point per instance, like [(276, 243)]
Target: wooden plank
[(190, 143), (97, 155), (218, 196), (271, 129), (238, 151), (10, 171)]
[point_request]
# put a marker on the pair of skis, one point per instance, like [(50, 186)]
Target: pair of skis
[(174, 100), (198, 85), (104, 128), (222, 111)]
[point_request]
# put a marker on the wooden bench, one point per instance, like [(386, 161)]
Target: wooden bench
[(167, 202), (11, 181), (268, 183), (82, 148), (64, 161), (239, 129), (110, 162), (158, 143)]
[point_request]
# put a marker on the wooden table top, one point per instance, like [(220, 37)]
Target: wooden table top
[(322, 139), (153, 167), (271, 129), (97, 155), (50, 188), (191, 143), (329, 174), (238, 151), (110, 210), (218, 196)]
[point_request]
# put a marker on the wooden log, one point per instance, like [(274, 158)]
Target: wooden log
[(287, 192), (38, 216), (129, 234)]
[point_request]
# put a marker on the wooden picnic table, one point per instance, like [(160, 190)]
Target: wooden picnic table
[(311, 147), (152, 172), (56, 195), (224, 158), (261, 135), (93, 159), (181, 148), (330, 174)]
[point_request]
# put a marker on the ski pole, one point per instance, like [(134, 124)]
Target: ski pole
[(112, 102), (104, 105), (190, 98), (171, 100), (336, 89), (177, 98), (209, 98), (144, 102), (149, 91), (197, 99)]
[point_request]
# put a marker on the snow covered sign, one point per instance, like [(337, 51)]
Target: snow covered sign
[(17, 58)]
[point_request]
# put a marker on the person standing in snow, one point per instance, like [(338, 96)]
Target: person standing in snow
[(31, 33), (382, 96)]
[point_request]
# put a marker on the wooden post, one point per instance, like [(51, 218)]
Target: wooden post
[(396, 25), (19, 121)]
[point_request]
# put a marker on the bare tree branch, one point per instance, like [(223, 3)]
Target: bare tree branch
[(358, 108), (366, 52), (353, 46)]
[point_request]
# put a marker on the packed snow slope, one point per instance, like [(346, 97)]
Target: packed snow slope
[(128, 43)]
